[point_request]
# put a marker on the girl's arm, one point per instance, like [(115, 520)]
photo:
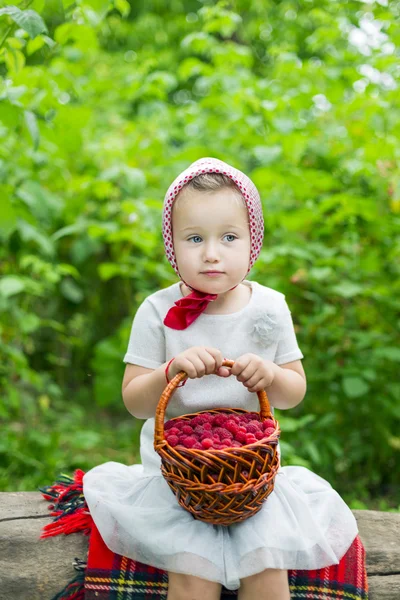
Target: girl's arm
[(289, 386), (142, 388)]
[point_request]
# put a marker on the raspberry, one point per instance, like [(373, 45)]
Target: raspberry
[(222, 432), (236, 444), (256, 423), (216, 438), (268, 423), (240, 437), (173, 440), (187, 429), (199, 429), (174, 431), (189, 441), (231, 426), (242, 429), (269, 431), (252, 428), (227, 443), (208, 417), (259, 435), (206, 443), (220, 420), (250, 439), (207, 426), (197, 446), (168, 425)]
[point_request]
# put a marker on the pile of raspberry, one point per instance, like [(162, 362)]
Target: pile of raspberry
[(217, 431)]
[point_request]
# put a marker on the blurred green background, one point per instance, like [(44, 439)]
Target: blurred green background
[(102, 104)]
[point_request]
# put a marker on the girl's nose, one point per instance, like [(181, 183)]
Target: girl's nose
[(211, 252)]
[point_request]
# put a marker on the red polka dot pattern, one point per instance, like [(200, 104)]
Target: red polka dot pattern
[(245, 185)]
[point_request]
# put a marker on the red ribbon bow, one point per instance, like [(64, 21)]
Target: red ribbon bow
[(187, 309)]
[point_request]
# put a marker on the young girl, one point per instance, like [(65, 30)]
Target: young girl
[(213, 231)]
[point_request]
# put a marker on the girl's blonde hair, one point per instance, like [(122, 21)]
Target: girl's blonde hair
[(209, 182)]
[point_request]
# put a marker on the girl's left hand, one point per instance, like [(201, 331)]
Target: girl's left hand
[(254, 372)]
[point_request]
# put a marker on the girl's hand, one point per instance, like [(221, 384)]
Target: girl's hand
[(197, 362), (254, 372)]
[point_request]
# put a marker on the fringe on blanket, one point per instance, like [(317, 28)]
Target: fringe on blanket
[(70, 516)]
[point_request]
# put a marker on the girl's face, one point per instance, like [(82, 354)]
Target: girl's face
[(211, 233)]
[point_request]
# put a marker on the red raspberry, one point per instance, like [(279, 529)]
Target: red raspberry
[(268, 423), (227, 442), (252, 428), (242, 429), (198, 446), (240, 437), (222, 432), (236, 444), (259, 435), (206, 443), (231, 426), (256, 423), (199, 429), (179, 424), (208, 417), (207, 426), (216, 438), (189, 441), (269, 431), (168, 425), (174, 431), (250, 438), (173, 440), (220, 420), (187, 429)]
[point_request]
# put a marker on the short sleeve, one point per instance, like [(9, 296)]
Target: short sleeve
[(146, 346), (287, 349)]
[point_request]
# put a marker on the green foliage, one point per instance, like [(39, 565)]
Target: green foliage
[(97, 117)]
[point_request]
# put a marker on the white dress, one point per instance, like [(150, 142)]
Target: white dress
[(304, 524)]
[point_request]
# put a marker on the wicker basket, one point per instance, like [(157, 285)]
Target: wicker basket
[(234, 496)]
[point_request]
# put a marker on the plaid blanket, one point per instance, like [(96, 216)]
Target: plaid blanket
[(109, 576)]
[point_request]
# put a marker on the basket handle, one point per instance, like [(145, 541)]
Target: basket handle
[(265, 408)]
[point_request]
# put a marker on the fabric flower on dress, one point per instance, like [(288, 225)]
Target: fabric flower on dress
[(265, 327)]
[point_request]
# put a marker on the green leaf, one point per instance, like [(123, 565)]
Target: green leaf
[(32, 125), (354, 387), (29, 20), (11, 285), (71, 291), (347, 289), (389, 353), (8, 215)]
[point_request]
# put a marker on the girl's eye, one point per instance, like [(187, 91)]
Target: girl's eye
[(198, 237)]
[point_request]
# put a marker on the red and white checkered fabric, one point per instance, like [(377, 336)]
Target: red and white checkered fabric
[(247, 188)]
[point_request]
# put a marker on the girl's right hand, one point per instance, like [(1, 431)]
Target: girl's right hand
[(197, 362)]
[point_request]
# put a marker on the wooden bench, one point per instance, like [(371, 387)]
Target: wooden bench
[(35, 569)]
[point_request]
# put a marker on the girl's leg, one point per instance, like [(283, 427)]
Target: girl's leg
[(189, 587), (271, 584)]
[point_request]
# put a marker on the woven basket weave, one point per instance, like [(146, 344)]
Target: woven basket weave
[(234, 496)]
